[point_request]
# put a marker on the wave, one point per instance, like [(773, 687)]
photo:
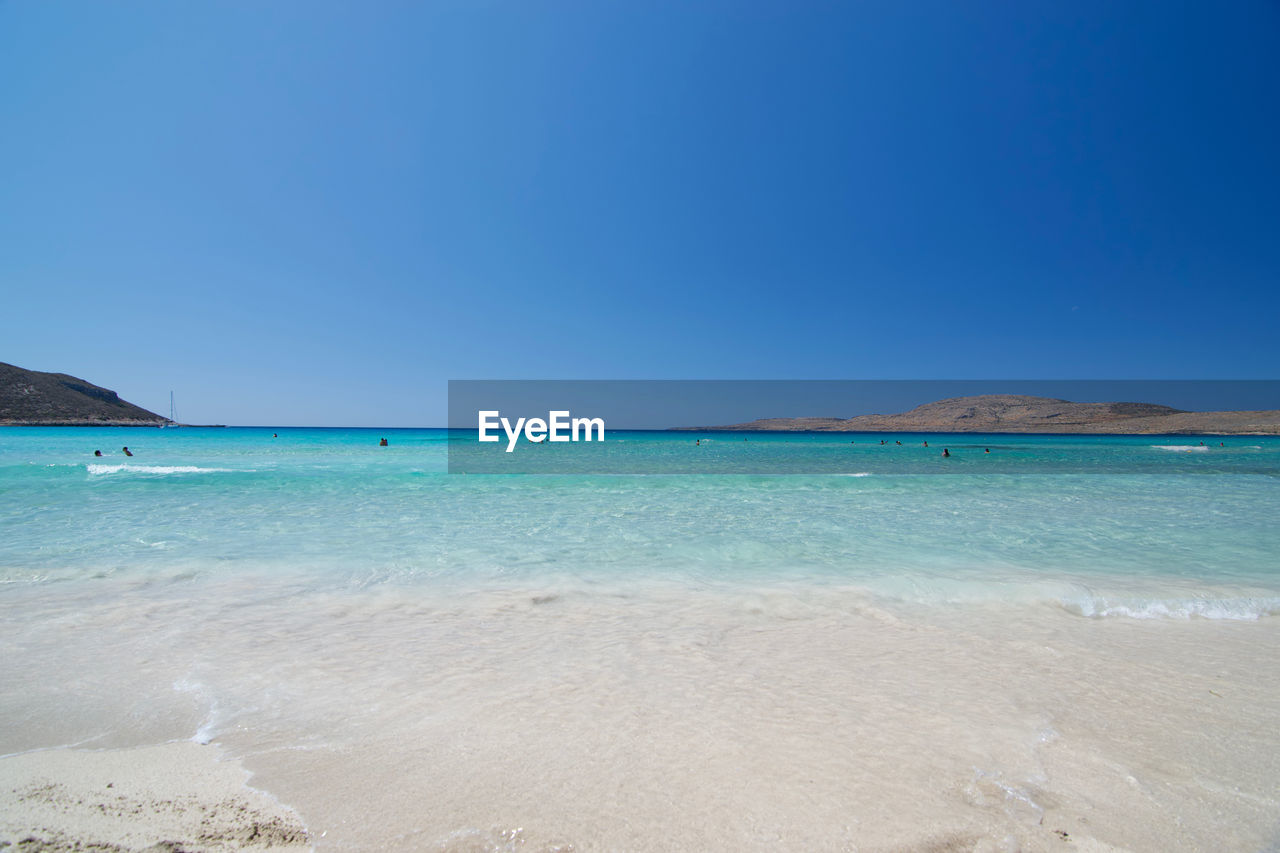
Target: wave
[(103, 470), (1185, 448), (1083, 598), (1245, 609)]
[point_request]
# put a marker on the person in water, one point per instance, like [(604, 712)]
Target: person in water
[(926, 444), (988, 450), (382, 443), (126, 451), (946, 454), (97, 453)]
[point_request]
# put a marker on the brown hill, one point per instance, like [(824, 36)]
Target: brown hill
[(1022, 414), (32, 398)]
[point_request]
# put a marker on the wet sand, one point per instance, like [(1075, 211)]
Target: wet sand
[(172, 797)]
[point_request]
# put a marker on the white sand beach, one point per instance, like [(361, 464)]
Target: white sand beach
[(646, 719)]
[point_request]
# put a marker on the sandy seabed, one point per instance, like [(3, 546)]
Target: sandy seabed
[(638, 718)]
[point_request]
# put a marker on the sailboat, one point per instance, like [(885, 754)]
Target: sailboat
[(173, 413)]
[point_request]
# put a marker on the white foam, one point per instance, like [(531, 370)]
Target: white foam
[(1242, 604), (102, 470), (1185, 448), (208, 727), (1231, 609)]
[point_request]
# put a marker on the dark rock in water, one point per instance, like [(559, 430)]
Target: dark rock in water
[(32, 398)]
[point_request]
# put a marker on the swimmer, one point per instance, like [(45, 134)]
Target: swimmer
[(382, 443), (126, 451), (988, 450), (946, 454), (97, 453), (926, 444)]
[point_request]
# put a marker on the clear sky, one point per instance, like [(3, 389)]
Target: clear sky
[(317, 213)]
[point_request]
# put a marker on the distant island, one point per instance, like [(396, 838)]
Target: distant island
[(995, 413), (32, 398)]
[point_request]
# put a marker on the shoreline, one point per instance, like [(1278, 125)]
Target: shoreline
[(173, 796), (667, 717), (144, 424), (945, 431)]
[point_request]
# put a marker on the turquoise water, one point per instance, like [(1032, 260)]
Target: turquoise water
[(889, 649), (1103, 526)]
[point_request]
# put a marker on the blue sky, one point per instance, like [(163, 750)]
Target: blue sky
[(317, 213)]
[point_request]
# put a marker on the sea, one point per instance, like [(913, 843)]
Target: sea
[(718, 640)]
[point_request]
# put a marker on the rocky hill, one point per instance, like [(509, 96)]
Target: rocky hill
[(32, 398), (1016, 413)]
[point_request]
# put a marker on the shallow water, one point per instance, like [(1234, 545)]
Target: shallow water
[(1078, 637)]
